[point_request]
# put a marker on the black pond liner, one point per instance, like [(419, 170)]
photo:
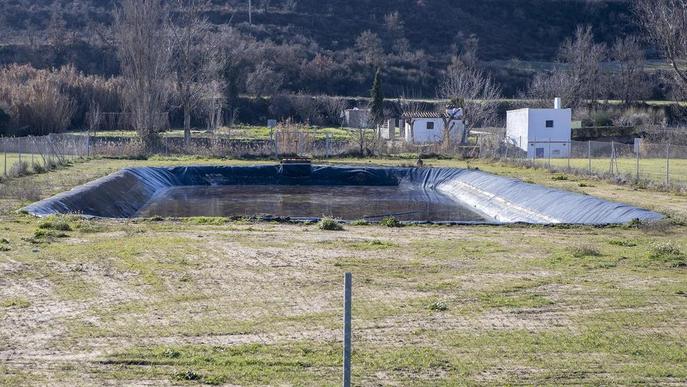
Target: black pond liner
[(416, 195)]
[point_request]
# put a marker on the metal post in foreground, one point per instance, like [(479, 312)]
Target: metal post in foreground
[(348, 285)]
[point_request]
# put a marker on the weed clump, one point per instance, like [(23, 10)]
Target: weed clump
[(329, 224), (207, 220), (171, 353), (46, 234), (38, 168), (55, 224), (16, 302), (668, 252), (19, 169), (438, 306), (560, 178), (189, 375), (622, 243), (585, 251), (390, 221), (360, 222)]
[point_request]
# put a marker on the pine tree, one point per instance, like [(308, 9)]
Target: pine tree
[(377, 103)]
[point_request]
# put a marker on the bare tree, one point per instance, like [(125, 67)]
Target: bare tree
[(333, 108), (195, 58), (94, 118), (473, 91), (544, 87), (629, 81), (212, 105), (583, 58), (665, 22), (144, 49), (264, 81), (369, 45), (578, 76)]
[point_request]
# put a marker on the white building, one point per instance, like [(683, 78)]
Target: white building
[(429, 127), (542, 133), (357, 118)]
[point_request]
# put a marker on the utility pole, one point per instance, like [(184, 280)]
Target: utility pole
[(250, 12)]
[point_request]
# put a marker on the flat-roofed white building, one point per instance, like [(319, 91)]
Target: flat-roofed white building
[(542, 133)]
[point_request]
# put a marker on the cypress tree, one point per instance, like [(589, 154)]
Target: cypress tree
[(377, 103)]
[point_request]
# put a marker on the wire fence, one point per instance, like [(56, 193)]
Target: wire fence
[(662, 164), (643, 162), (24, 155)]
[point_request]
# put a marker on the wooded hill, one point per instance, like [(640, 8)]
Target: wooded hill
[(418, 37)]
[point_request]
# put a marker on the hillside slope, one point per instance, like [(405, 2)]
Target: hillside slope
[(49, 34)]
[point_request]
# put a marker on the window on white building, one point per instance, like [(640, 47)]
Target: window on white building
[(430, 125), (549, 123)]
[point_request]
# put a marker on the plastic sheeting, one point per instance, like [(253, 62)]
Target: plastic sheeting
[(497, 199)]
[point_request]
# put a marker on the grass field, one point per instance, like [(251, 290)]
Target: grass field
[(649, 169), (8, 160), (237, 132), (205, 300)]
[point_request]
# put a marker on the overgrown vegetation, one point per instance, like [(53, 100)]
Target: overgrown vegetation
[(668, 252), (390, 221), (329, 224)]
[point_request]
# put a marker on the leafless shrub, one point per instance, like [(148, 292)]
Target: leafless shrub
[(36, 100), (18, 169)]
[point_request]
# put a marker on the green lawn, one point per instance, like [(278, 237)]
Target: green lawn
[(206, 300)]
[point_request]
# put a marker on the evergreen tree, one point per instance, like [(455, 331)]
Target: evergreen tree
[(377, 103)]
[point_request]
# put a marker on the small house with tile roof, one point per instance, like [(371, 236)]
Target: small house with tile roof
[(430, 127)]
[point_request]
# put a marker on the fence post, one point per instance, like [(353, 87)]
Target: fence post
[(569, 153), (668, 164), (637, 151), (19, 147), (4, 150), (32, 150), (612, 158), (348, 284), (549, 152), (589, 155), (276, 145)]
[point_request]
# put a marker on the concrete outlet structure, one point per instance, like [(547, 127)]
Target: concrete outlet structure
[(542, 133)]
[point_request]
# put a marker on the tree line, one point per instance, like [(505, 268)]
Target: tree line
[(176, 65)]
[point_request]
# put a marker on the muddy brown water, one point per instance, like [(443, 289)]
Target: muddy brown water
[(406, 203)]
